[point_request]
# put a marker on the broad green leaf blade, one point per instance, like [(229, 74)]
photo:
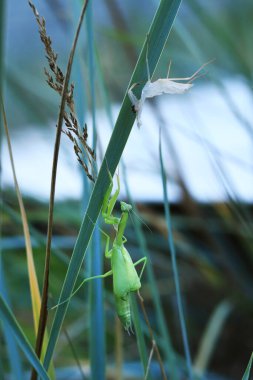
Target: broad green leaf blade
[(158, 35), (7, 316)]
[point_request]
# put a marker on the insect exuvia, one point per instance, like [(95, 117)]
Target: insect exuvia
[(125, 276), (161, 86)]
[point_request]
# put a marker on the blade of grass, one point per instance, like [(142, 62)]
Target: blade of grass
[(96, 305), (13, 354), (246, 375), (210, 336), (152, 339), (158, 35), (174, 267), (139, 334), (7, 315), (33, 281), (34, 287)]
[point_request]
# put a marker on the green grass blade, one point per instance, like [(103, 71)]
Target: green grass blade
[(158, 35), (12, 349), (212, 332), (96, 304), (7, 316), (246, 375), (174, 268)]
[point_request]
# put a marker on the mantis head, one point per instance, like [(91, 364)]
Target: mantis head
[(125, 207)]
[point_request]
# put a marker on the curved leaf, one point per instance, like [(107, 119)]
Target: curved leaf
[(7, 316)]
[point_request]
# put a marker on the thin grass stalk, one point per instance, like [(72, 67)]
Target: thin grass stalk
[(192, 46), (2, 35), (119, 359), (153, 341), (1, 368), (96, 309), (174, 268), (158, 35), (246, 375), (211, 334), (44, 313), (33, 281), (75, 355), (235, 207), (142, 348), (34, 287)]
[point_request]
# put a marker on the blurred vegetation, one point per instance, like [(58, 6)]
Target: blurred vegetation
[(213, 241)]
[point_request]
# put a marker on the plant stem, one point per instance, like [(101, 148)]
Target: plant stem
[(43, 311)]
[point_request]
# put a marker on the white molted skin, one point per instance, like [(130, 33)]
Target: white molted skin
[(152, 89)]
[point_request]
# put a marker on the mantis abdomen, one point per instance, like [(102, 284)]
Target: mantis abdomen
[(125, 277), (123, 311), (125, 280)]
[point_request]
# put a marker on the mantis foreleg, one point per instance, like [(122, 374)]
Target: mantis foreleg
[(109, 203)]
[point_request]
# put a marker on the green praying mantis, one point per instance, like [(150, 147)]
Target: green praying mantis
[(125, 276)]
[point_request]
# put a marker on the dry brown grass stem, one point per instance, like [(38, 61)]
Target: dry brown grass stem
[(66, 97), (34, 287)]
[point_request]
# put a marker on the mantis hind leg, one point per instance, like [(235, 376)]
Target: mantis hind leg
[(107, 274), (144, 260)]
